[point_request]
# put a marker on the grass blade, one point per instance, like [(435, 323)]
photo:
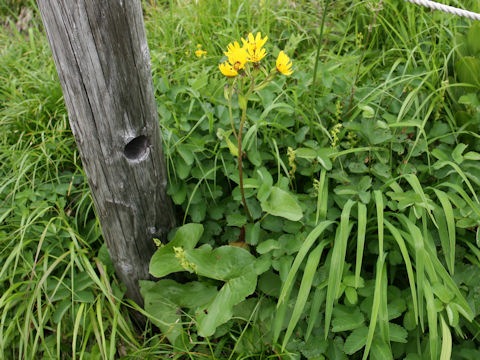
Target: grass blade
[(383, 310), (448, 213), (379, 204), (446, 352), (376, 304), (443, 274), (464, 177), (464, 195), (408, 264), (417, 239), (280, 313), (309, 241), (322, 197), (318, 299), (305, 287), (337, 262), (76, 329), (415, 184), (292, 274), (432, 320), (362, 225)]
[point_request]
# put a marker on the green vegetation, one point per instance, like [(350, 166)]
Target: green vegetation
[(373, 148)]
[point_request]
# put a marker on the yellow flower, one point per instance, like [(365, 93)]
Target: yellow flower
[(237, 56), (227, 69), (284, 64), (254, 47), (199, 46), (199, 53)]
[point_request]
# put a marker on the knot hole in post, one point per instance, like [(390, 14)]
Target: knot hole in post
[(136, 149)]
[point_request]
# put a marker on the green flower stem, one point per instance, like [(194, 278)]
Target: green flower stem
[(230, 114), (240, 152), (265, 82), (240, 169)]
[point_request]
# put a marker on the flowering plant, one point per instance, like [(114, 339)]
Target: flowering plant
[(249, 76)]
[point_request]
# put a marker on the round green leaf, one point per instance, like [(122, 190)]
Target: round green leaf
[(283, 204)]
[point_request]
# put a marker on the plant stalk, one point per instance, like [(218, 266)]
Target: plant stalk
[(240, 168), (230, 114), (319, 45)]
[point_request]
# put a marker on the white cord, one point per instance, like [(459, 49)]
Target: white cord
[(450, 9)]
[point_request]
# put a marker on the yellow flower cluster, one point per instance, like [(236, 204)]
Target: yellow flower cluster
[(180, 255), (251, 51), (291, 162), (334, 131), (199, 52)]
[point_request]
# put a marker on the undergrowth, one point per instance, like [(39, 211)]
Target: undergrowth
[(382, 167)]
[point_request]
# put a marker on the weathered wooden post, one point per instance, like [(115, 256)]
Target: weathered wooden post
[(103, 62)]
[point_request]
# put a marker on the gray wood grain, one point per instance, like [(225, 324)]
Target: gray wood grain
[(103, 63)]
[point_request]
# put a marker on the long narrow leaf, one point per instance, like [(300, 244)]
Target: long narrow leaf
[(337, 262), (417, 239), (464, 195), (408, 264), (322, 197), (448, 212), (318, 299), (309, 241), (432, 320), (305, 287), (362, 225), (383, 309), (282, 303), (443, 274), (379, 203), (446, 352), (415, 184), (280, 314), (439, 214), (376, 304), (464, 177)]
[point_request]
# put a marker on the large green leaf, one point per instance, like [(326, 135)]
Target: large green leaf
[(282, 203), (219, 310), (223, 263), (234, 265), (165, 298), (231, 264), (164, 262)]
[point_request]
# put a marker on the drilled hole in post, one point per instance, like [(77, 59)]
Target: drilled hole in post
[(136, 149)]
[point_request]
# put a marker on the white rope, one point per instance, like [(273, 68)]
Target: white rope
[(450, 9)]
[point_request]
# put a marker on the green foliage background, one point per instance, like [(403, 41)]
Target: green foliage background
[(385, 255)]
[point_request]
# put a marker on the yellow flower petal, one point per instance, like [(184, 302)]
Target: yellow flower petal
[(284, 64), (199, 53), (237, 56), (227, 70), (254, 47)]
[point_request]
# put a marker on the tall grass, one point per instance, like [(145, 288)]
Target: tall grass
[(59, 297)]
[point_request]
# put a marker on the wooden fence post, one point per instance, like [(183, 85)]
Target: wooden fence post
[(103, 62)]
